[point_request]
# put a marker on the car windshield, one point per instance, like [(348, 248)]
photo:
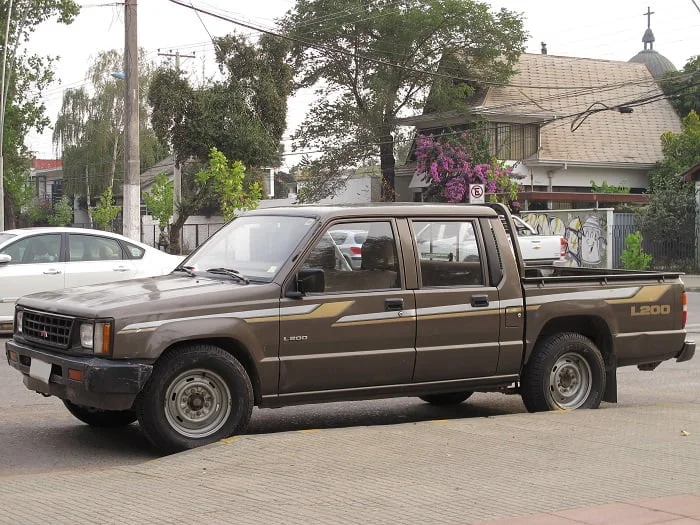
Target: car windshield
[(254, 245)]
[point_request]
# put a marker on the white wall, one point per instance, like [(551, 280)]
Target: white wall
[(581, 177)]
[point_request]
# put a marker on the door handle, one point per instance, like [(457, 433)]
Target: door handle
[(52, 271), (121, 269), (479, 301), (393, 305)]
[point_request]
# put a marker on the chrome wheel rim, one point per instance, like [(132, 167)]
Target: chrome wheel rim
[(197, 403), (570, 381)]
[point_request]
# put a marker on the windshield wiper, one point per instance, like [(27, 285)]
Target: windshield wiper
[(231, 273), (189, 270)]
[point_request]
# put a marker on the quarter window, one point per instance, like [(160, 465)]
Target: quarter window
[(449, 253), (352, 257)]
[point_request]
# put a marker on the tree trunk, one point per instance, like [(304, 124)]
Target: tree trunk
[(9, 213), (387, 163), (113, 167), (175, 229)]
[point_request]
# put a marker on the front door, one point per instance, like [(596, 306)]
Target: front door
[(458, 314), (356, 325), (36, 266)]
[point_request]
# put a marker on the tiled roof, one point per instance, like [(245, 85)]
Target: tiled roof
[(607, 136), (46, 164)]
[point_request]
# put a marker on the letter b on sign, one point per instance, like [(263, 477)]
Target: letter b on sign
[(476, 193)]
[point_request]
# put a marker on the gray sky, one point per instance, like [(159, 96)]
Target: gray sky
[(603, 29)]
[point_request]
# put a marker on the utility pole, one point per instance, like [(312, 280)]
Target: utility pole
[(132, 164), (177, 169), (3, 102)]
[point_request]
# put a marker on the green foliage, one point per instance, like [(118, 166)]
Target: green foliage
[(385, 64), (105, 212), (633, 256), (159, 200), (39, 212), (670, 214), (18, 187), (243, 116), (226, 180), (608, 188), (90, 127), (27, 77), (62, 214), (685, 87)]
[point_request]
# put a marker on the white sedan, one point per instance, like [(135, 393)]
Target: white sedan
[(43, 259)]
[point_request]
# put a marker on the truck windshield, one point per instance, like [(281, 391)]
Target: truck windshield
[(254, 245)]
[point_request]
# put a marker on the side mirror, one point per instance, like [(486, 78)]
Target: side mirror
[(5, 259), (311, 280)]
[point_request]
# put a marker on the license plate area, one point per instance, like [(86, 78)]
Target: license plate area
[(40, 370)]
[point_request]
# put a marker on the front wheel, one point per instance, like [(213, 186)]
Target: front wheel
[(565, 372), (96, 417), (196, 395), (452, 398)]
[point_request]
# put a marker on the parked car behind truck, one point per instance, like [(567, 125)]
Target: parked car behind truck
[(264, 314)]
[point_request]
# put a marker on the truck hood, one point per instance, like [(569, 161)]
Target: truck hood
[(141, 298)]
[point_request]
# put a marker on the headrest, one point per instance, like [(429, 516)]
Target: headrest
[(378, 254)]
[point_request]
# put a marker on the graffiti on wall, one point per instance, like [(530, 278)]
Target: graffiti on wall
[(584, 231)]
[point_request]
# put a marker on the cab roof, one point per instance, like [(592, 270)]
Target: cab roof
[(380, 210)]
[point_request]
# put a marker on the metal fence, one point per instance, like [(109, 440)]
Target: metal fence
[(671, 255)]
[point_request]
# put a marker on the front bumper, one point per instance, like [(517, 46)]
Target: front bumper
[(105, 384), (687, 352)]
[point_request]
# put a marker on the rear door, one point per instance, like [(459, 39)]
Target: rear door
[(96, 259), (36, 266), (458, 312), (354, 328)]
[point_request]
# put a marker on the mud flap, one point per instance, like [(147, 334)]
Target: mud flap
[(610, 392)]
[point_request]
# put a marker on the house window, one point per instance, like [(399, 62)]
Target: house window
[(509, 141)]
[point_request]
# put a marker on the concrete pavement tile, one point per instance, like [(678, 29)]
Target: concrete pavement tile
[(617, 514), (683, 521), (533, 519), (683, 505)]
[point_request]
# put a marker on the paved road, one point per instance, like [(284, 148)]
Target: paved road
[(38, 434)]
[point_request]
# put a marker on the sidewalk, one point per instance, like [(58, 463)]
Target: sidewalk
[(540, 467), (692, 282)]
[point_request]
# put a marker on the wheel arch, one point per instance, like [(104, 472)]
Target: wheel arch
[(593, 327), (232, 346)]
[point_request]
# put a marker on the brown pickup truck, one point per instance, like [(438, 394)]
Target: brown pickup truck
[(272, 311)]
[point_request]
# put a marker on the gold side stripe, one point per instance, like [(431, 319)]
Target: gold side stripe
[(374, 321), (324, 311), (648, 294)]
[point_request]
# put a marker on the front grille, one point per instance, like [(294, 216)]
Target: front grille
[(48, 329)]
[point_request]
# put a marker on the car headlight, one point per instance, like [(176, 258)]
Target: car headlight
[(96, 336), (19, 317)]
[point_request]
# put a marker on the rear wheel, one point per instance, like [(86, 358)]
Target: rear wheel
[(452, 398), (101, 418), (565, 372), (196, 395)]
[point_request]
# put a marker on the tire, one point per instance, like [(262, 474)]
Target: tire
[(196, 395), (565, 372), (96, 417), (453, 398)]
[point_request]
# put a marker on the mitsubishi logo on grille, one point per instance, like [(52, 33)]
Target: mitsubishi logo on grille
[(44, 334)]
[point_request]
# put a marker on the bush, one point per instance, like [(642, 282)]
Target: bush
[(62, 214), (634, 257)]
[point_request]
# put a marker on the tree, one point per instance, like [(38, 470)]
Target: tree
[(243, 116), (62, 214), (452, 162), (159, 201), (670, 215), (26, 78), (105, 212), (684, 87), (370, 61), (225, 180), (90, 125)]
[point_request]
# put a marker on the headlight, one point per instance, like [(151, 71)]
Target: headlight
[(96, 336), (19, 317)]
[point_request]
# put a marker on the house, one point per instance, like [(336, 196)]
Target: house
[(563, 122), (47, 177)]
